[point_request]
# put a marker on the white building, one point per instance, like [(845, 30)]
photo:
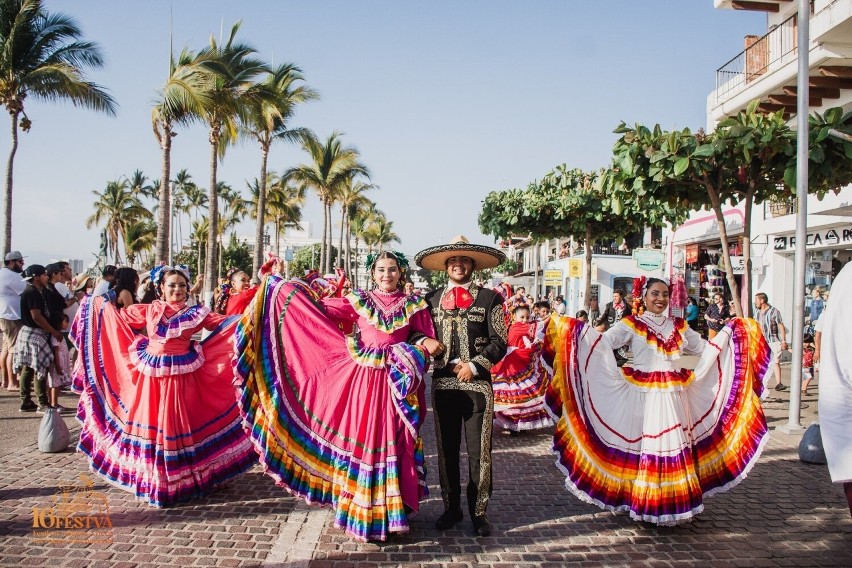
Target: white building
[(766, 69), (557, 267)]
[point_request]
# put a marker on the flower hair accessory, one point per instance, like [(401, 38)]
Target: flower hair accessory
[(639, 286), (401, 260), (156, 273)]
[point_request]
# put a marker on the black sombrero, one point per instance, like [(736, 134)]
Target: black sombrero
[(435, 258)]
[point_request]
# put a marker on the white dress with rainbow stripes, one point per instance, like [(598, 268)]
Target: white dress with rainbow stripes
[(650, 438)]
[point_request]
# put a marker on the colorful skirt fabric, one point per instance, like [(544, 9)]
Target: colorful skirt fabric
[(654, 444), (166, 438), (520, 381), (334, 422)]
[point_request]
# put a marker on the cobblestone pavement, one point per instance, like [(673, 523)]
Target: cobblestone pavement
[(786, 513)]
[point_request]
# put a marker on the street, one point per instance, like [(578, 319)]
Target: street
[(786, 513)]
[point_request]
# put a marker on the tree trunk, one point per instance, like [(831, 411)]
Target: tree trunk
[(329, 240), (7, 200), (357, 268), (278, 237), (323, 241), (726, 251), (746, 294), (161, 251), (340, 240), (261, 213), (210, 276), (198, 260), (587, 295), (348, 265)]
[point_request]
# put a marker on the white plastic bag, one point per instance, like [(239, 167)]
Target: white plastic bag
[(53, 435)]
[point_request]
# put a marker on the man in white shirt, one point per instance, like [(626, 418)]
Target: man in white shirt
[(62, 278), (12, 285)]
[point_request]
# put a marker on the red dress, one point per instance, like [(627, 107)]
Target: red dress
[(335, 418), (520, 381), (237, 303), (159, 412)]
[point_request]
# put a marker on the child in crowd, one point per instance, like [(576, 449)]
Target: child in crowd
[(542, 310), (59, 375), (807, 362)]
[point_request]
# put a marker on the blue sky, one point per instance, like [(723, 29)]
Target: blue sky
[(446, 101)]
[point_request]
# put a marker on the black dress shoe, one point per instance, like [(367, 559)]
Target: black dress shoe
[(448, 519), (481, 525)]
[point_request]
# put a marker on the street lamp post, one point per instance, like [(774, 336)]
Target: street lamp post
[(793, 424)]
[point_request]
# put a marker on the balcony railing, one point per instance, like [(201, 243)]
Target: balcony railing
[(759, 55), (772, 209)]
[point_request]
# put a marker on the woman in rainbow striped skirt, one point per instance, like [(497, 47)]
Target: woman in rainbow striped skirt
[(649, 438), (158, 409), (333, 394)]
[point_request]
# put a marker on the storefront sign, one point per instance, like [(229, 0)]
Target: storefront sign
[(691, 254), (575, 268), (825, 238), (552, 277), (648, 259), (738, 265)]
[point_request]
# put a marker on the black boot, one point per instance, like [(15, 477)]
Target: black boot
[(449, 518), (481, 525)]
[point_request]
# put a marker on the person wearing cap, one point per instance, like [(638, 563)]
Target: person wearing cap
[(471, 329), (12, 286), (107, 278), (33, 353)]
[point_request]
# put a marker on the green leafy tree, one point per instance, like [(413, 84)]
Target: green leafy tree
[(43, 58), (746, 159), (307, 258), (566, 202), (271, 105)]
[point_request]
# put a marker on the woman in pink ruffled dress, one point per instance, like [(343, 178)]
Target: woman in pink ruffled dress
[(333, 395), (159, 412)]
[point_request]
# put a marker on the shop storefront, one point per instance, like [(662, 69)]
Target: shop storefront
[(828, 250)]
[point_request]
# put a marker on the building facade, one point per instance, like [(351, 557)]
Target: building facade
[(766, 69)]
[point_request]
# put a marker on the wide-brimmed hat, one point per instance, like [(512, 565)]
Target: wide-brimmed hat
[(435, 258), (81, 280)]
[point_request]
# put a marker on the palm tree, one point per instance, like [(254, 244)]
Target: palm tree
[(233, 68), (284, 207), (232, 209), (352, 200), (379, 231), (332, 165), (42, 58), (117, 207), (184, 189), (359, 222), (180, 102), (139, 238), (268, 113), (200, 229), (140, 187)]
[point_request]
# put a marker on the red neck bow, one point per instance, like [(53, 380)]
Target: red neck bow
[(456, 297)]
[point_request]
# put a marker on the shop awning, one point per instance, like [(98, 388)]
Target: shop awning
[(706, 228)]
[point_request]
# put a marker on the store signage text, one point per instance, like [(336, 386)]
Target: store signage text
[(824, 238), (648, 259), (552, 277)]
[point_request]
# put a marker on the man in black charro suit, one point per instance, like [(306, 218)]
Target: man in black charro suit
[(470, 326)]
